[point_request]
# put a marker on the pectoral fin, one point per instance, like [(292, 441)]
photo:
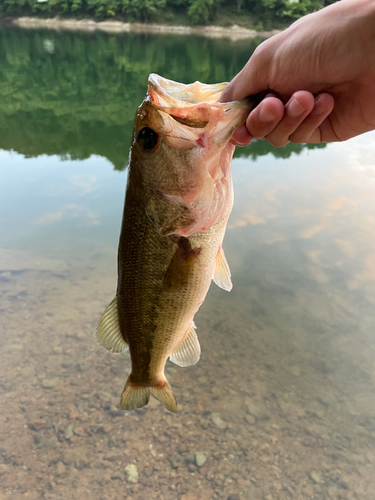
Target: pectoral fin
[(167, 214), (182, 265), (189, 352), (222, 272), (108, 332)]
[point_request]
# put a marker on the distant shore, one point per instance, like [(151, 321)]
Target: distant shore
[(234, 33)]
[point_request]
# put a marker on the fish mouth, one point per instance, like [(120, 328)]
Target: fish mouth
[(192, 114), (170, 92)]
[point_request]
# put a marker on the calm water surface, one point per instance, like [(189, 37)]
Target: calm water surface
[(282, 403)]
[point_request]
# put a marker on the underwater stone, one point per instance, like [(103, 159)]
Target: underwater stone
[(217, 420), (60, 469), (200, 458), (69, 431), (315, 477), (131, 473)]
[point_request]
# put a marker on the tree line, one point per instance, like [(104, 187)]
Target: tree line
[(260, 14)]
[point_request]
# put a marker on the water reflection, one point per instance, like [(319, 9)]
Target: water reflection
[(282, 403), (74, 94)]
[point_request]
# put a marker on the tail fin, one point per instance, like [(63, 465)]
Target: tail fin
[(165, 395), (134, 396), (137, 396)]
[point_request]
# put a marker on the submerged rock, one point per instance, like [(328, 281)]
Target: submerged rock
[(60, 469), (218, 421), (200, 458), (258, 412), (315, 477), (69, 431), (49, 383), (131, 473)]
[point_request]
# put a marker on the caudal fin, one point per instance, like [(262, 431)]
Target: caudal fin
[(165, 395), (137, 396)]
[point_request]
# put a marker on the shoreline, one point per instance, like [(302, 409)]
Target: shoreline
[(235, 32)]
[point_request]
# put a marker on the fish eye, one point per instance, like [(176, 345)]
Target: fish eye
[(147, 138)]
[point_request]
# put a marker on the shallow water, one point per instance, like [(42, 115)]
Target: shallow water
[(282, 402)]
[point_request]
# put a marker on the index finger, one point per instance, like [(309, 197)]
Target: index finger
[(251, 80)]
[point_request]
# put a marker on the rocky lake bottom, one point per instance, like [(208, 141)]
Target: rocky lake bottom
[(256, 421)]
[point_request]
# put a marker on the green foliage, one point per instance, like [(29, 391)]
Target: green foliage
[(137, 10), (200, 11), (295, 9), (268, 13), (142, 10)]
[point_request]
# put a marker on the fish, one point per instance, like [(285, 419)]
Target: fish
[(179, 196)]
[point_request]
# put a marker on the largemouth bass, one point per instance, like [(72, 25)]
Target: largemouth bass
[(178, 199)]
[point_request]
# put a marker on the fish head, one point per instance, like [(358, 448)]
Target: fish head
[(182, 154)]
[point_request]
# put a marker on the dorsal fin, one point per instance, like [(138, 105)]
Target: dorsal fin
[(189, 351), (222, 272), (108, 332)]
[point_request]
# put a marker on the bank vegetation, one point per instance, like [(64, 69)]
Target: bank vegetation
[(258, 14)]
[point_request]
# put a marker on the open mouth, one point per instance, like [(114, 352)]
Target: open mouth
[(175, 92)]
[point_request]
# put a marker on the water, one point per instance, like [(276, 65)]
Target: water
[(282, 402)]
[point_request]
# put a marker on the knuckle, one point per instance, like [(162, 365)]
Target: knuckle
[(297, 139), (278, 143)]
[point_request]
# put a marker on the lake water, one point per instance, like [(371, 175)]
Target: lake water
[(282, 403)]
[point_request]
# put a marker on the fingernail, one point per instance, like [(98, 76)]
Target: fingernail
[(265, 115), (294, 108), (317, 109), (241, 144)]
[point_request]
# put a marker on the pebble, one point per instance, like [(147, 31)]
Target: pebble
[(113, 456), (73, 414), (258, 412), (60, 469), (3, 469), (49, 383), (218, 421), (131, 473), (44, 441), (38, 424), (78, 456), (69, 431), (79, 431), (200, 458), (250, 419), (315, 477), (294, 370)]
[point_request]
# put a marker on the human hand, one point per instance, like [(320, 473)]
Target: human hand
[(331, 55)]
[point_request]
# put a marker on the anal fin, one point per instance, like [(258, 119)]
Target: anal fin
[(108, 332), (222, 272), (189, 351)]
